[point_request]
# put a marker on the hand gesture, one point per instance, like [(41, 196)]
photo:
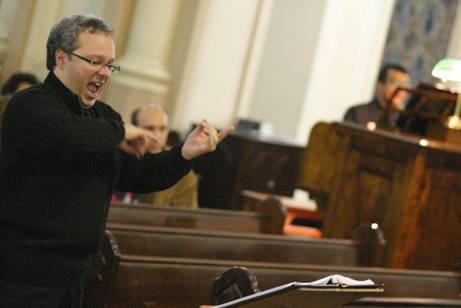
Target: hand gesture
[(203, 139), (136, 139)]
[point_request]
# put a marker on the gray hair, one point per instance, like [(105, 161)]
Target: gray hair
[(64, 35)]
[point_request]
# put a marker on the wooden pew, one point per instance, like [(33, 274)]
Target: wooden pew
[(269, 219), (205, 244), (147, 281), (186, 282), (373, 302)]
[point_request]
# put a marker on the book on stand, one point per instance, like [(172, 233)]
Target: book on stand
[(331, 291)]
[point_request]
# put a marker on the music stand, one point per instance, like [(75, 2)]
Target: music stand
[(298, 295), (427, 107)]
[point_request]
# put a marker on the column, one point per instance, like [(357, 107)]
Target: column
[(210, 85), (145, 73)]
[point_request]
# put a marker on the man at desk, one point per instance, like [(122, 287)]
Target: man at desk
[(391, 76)]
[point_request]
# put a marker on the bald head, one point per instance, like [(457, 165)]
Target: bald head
[(153, 117)]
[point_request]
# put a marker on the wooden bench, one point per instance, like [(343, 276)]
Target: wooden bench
[(186, 282), (174, 242), (269, 219), (373, 302), (148, 281)]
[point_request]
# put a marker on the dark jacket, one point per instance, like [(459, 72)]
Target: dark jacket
[(59, 166), (371, 112)]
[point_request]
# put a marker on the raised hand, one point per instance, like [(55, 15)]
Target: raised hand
[(136, 139), (203, 139)]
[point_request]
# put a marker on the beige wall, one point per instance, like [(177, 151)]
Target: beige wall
[(285, 63), (215, 62), (346, 61), (7, 13)]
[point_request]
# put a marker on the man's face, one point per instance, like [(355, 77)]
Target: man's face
[(82, 78), (385, 90), (155, 120)]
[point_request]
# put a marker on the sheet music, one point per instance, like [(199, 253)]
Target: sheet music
[(338, 280), (335, 281)]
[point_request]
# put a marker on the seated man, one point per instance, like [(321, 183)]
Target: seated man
[(184, 193), (390, 77)]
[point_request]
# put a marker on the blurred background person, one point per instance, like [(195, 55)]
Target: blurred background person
[(391, 77), (18, 82), (184, 193)]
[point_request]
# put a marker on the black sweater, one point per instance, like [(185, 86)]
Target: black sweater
[(59, 167)]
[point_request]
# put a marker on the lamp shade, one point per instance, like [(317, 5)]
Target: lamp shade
[(448, 70)]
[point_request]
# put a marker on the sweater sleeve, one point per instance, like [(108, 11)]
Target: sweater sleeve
[(153, 172), (36, 124)]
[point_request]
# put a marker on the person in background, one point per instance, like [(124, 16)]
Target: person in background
[(18, 82), (391, 76), (153, 117), (63, 155)]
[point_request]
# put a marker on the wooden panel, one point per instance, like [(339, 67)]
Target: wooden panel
[(411, 190), (269, 221), (432, 221), (319, 164), (247, 163), (173, 242)]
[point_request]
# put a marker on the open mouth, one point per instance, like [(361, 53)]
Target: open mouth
[(93, 87)]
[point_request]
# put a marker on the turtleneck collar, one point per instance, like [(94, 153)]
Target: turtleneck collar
[(64, 94)]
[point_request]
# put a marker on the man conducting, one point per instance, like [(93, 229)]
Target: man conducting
[(63, 154)]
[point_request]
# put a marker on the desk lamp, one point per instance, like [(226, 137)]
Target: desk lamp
[(449, 72)]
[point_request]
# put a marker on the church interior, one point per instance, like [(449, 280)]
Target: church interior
[(296, 192)]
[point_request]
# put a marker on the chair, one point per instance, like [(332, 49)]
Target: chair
[(299, 220)]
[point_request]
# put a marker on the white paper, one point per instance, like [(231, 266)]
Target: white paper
[(339, 280)]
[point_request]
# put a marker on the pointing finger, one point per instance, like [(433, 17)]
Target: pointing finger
[(224, 133)]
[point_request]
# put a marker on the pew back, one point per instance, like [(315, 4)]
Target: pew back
[(186, 282), (120, 280), (174, 242), (270, 220)]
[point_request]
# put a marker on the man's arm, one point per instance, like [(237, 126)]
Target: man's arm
[(36, 124), (160, 171), (39, 126), (152, 172)]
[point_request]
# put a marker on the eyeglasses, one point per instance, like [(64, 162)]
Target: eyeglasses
[(98, 63)]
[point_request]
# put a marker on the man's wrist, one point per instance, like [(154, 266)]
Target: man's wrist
[(184, 153)]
